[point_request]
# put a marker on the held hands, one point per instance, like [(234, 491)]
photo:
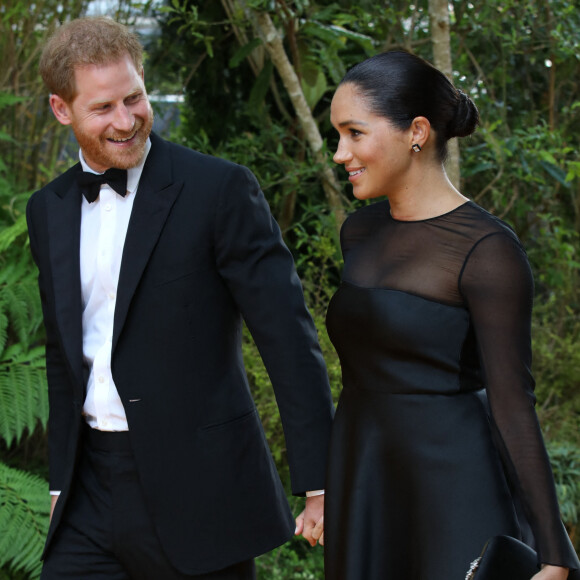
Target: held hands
[(310, 523), (551, 573)]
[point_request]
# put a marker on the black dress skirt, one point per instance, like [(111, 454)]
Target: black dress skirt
[(436, 445)]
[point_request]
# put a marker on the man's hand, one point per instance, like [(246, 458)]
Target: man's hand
[(310, 523)]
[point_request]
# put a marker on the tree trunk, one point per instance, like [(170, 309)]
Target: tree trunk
[(265, 29), (440, 37)]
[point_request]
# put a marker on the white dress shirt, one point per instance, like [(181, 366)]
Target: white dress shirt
[(104, 226)]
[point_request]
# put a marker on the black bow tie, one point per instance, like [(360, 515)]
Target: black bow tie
[(90, 183)]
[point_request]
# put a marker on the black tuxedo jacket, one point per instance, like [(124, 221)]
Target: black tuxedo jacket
[(202, 252)]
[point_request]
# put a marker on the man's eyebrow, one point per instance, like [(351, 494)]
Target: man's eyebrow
[(135, 93), (99, 103)]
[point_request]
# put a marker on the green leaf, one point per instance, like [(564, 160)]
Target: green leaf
[(208, 41), (337, 34), (548, 157), (8, 99), (243, 52), (260, 87), (23, 392), (314, 86), (24, 517), (10, 234), (557, 173)]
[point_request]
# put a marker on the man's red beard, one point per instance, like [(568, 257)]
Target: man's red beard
[(100, 151)]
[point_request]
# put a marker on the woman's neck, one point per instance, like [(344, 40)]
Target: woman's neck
[(428, 196)]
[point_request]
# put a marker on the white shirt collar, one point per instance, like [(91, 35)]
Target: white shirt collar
[(133, 174)]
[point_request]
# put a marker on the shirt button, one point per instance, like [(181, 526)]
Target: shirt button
[(105, 423), (112, 295), (108, 207), (101, 379)]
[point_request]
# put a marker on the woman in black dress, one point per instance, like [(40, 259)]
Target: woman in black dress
[(436, 445)]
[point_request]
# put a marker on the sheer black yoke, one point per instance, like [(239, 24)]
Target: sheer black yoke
[(441, 307), (430, 257)]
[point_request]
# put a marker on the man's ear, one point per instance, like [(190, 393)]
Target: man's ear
[(60, 109)]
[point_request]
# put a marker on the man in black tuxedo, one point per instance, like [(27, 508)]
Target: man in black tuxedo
[(159, 467)]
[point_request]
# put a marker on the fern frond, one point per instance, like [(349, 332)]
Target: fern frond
[(10, 234), (23, 392), (3, 327), (24, 511), (17, 310), (19, 299)]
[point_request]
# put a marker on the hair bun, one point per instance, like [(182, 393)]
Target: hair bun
[(466, 117), (400, 86)]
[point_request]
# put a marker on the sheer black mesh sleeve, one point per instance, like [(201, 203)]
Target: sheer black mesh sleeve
[(497, 286)]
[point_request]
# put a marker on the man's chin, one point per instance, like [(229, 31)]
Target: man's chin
[(101, 154), (127, 159)]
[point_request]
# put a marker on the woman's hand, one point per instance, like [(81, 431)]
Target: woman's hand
[(551, 573)]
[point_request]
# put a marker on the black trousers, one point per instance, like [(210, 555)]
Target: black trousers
[(105, 532)]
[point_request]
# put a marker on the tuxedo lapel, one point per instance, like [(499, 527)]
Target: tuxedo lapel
[(64, 228), (154, 199)]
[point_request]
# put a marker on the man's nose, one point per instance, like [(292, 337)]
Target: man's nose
[(124, 119)]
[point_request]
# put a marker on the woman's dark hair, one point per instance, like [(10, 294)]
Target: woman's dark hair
[(400, 86)]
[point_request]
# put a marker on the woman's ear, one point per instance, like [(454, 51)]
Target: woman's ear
[(60, 109), (419, 131)]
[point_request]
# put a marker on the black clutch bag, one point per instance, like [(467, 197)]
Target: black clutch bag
[(504, 558)]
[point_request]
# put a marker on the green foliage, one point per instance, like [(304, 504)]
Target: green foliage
[(23, 404), (295, 560), (317, 256), (35, 138), (24, 509), (24, 500), (565, 460), (528, 170), (23, 395), (19, 303), (10, 234), (557, 370), (522, 165)]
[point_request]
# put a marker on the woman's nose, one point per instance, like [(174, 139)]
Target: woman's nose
[(342, 154)]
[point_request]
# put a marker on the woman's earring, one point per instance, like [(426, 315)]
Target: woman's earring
[(416, 147)]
